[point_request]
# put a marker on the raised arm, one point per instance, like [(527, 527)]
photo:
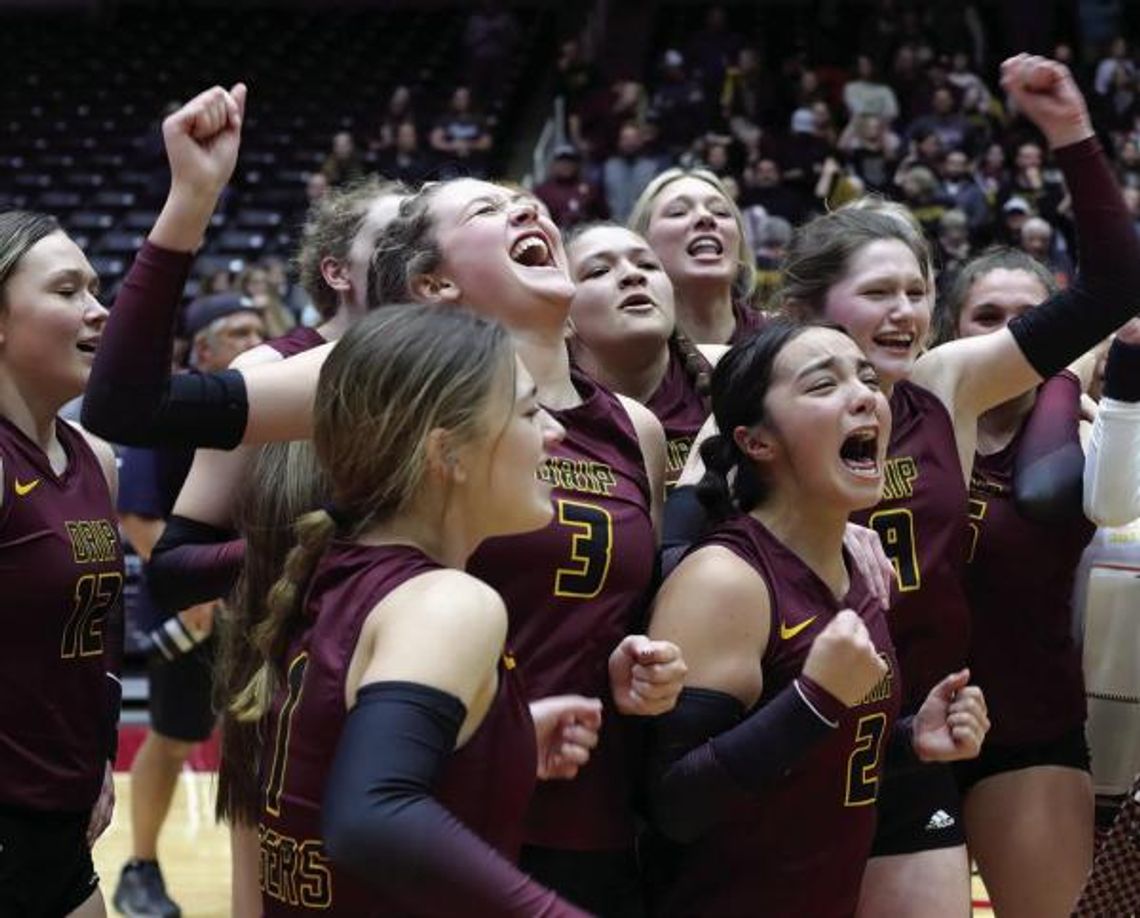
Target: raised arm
[(972, 375), (131, 395), (1112, 471)]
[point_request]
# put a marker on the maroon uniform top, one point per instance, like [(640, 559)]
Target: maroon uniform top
[(681, 412), (922, 523), (800, 849), (1020, 580), (61, 567), (574, 590), (297, 340), (486, 784), (748, 322)]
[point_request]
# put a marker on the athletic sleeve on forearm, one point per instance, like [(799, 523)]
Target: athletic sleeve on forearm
[(382, 825), (705, 761), (1106, 292), (193, 562), (1112, 472), (1049, 466), (131, 396)]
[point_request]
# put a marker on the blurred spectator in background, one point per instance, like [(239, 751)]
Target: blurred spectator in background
[(291, 294), (405, 161), (1128, 163), (804, 154), (872, 150), (971, 88), (574, 77), (952, 249), (748, 99), (316, 187), (1132, 199), (922, 194), (866, 94), (764, 187), (489, 43), (769, 239), (570, 198), (1118, 58), (461, 138), (594, 128), (254, 284), (679, 105), (1041, 189), (399, 110), (944, 120), (992, 173), (712, 50), (1039, 241), (343, 164), (627, 172), (964, 192), (1014, 212)]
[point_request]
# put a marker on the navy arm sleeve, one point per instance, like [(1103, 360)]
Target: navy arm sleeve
[(193, 562), (382, 824), (1049, 468), (132, 398)]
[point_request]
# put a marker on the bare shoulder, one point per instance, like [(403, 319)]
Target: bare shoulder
[(716, 608), (645, 423), (256, 357), (455, 600), (105, 453)]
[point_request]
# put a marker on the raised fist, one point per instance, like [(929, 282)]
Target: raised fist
[(843, 659)]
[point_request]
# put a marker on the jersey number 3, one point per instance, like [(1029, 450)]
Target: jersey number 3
[(591, 547)]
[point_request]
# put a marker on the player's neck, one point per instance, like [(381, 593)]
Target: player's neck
[(446, 543), (813, 534), (34, 416), (704, 312), (545, 356), (636, 373)]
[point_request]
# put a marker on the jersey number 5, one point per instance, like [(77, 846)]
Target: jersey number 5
[(591, 547), (95, 596), (896, 530)]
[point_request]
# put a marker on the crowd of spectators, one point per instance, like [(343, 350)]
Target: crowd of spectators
[(915, 114)]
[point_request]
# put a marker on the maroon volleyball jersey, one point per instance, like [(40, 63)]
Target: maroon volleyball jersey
[(574, 590), (681, 412), (801, 847), (61, 566), (296, 341), (748, 322), (921, 521), (1020, 580), (486, 784)]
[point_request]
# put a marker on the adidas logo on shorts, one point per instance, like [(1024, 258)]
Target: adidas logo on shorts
[(939, 819)]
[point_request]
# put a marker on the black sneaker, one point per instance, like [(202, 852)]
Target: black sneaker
[(141, 893)]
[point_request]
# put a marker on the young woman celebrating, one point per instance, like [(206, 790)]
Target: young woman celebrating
[(407, 769), (697, 231), (1028, 799), (769, 767), (62, 573), (625, 335)]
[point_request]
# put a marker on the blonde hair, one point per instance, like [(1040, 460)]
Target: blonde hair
[(395, 376), (744, 284)]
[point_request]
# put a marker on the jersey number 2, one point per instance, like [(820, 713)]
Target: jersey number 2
[(591, 547), (863, 765)]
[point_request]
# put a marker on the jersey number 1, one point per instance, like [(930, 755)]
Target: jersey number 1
[(294, 679)]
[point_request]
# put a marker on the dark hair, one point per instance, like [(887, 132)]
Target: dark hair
[(19, 231), (696, 366), (949, 309), (740, 383)]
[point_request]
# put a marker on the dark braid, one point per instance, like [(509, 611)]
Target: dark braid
[(696, 366)]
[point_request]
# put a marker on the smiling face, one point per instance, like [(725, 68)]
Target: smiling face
[(827, 424), (694, 232), (52, 321), (622, 294), (883, 302), (501, 253)]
